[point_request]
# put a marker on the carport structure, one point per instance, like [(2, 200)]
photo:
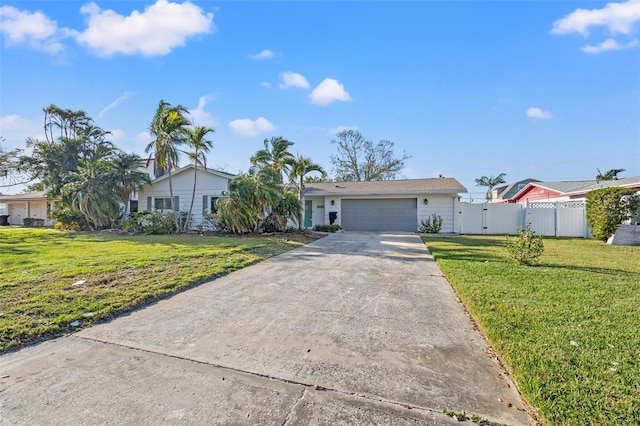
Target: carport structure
[(393, 205), (29, 205)]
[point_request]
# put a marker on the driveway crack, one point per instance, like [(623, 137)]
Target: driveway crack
[(293, 407)]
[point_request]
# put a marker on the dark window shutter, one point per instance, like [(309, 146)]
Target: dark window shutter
[(176, 203), (204, 205), (148, 204)]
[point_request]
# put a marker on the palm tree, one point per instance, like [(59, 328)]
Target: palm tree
[(298, 168), (249, 197), (92, 193), (609, 175), (273, 156), (167, 127), (490, 182), (196, 139), (127, 177)]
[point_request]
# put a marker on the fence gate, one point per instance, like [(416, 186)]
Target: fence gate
[(558, 219), (572, 220), (472, 220)]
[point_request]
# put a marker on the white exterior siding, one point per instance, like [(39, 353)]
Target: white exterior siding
[(19, 210), (445, 205), (336, 207), (208, 185)]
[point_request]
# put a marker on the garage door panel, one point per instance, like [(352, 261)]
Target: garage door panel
[(398, 214)]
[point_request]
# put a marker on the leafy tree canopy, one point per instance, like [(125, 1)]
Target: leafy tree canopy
[(609, 207)]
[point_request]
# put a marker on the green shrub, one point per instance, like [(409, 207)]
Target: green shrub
[(327, 228), (609, 207), (159, 222), (432, 225), (527, 247), (31, 222), (211, 223), (71, 220)]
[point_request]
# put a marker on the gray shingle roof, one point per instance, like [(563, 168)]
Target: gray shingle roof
[(386, 187), (583, 186)]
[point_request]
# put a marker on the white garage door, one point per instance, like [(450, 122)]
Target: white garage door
[(398, 214)]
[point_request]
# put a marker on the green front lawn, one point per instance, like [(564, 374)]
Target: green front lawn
[(38, 268), (568, 329)]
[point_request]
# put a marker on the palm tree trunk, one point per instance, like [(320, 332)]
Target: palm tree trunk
[(300, 194), (193, 193), (126, 197), (173, 200)]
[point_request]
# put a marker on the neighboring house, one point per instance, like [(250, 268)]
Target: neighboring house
[(505, 193), (210, 185), (32, 205), (569, 190), (391, 205)]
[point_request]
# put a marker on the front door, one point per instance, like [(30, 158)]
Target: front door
[(308, 210)]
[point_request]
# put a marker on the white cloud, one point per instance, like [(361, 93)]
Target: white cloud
[(265, 54), (114, 104), (143, 138), (116, 134), (538, 114), (199, 116), (35, 30), (608, 44), (265, 84), (339, 129), (328, 91), (617, 17), (16, 129), (156, 31), (293, 79), (250, 128)]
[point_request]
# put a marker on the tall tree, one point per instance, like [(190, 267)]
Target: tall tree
[(358, 159), (609, 175), (14, 166), (490, 182), (167, 128), (200, 145), (71, 140), (92, 192), (299, 168), (274, 155), (126, 176)]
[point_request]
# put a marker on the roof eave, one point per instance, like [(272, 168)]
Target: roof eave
[(379, 193)]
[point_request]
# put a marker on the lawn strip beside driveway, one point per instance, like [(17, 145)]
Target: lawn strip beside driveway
[(365, 316)]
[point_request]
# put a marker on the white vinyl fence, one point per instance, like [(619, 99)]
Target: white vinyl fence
[(557, 219)]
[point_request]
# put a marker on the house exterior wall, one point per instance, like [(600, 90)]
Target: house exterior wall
[(208, 185), (18, 211), (445, 205)]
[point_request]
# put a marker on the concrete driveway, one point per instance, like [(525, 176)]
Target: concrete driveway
[(355, 328)]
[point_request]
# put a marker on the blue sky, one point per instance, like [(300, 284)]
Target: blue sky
[(544, 89)]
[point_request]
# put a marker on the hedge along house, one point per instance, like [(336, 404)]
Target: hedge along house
[(391, 205), (210, 185)]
